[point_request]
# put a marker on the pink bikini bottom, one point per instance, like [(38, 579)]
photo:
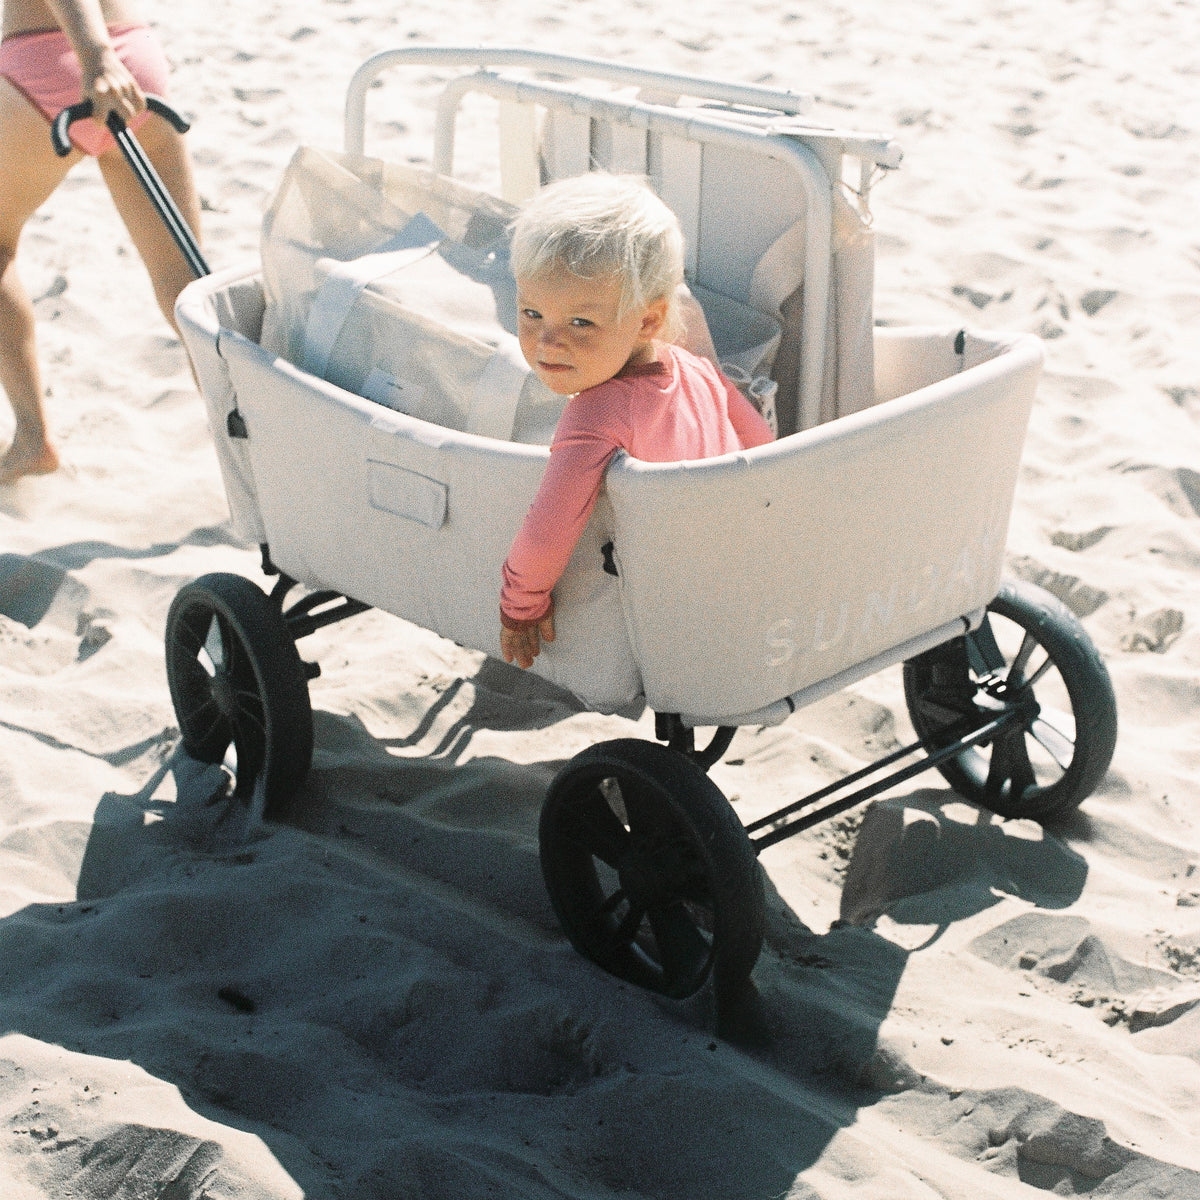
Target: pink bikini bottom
[(44, 68)]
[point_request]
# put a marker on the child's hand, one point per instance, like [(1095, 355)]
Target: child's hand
[(524, 645)]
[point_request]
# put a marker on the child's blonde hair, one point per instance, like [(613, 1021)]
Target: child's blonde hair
[(597, 226)]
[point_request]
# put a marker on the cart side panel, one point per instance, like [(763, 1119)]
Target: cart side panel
[(752, 576), (232, 299), (417, 520)]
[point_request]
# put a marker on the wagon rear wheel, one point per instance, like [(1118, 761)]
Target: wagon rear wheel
[(649, 870), (238, 686), (1032, 653)]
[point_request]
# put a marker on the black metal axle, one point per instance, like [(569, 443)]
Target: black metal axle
[(782, 828)]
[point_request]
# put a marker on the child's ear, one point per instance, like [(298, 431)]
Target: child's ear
[(654, 318)]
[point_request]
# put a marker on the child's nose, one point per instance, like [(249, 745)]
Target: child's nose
[(551, 334)]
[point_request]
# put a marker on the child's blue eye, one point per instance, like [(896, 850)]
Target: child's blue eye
[(581, 322), (531, 313)]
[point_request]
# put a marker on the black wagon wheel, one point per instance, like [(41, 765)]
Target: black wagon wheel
[(649, 870), (238, 686), (1032, 653)]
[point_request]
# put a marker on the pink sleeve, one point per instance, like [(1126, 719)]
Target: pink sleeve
[(746, 420), (564, 502)]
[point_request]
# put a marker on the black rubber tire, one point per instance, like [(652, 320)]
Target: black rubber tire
[(649, 870), (237, 682), (1030, 651)]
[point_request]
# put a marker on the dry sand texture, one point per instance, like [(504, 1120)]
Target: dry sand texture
[(372, 999)]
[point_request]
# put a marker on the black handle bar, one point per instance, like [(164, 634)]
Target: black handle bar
[(142, 169), (77, 112)]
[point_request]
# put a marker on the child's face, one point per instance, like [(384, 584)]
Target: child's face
[(571, 332)]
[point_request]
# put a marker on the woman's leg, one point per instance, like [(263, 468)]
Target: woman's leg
[(29, 172), (169, 271)]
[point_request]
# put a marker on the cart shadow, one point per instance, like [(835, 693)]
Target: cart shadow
[(456, 836), (231, 1036), (30, 584), (924, 860)]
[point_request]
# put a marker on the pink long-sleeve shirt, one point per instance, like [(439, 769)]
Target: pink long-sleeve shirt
[(680, 407)]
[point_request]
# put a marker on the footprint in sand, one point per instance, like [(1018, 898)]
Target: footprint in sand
[(1093, 301), (1162, 1008), (1081, 598), (1178, 488), (56, 287), (1066, 950), (1079, 540), (1153, 632)]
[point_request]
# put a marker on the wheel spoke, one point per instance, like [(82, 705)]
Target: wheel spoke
[(237, 662), (189, 638), (249, 721), (1048, 734), (195, 673), (1016, 672), (205, 719), (644, 811), (250, 703), (626, 931), (595, 827), (249, 759), (211, 655), (611, 905), (682, 947), (1039, 672)]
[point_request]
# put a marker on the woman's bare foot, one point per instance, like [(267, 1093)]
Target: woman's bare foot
[(19, 460)]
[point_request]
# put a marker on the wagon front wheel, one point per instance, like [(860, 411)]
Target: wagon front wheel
[(1030, 653), (649, 870), (238, 686)]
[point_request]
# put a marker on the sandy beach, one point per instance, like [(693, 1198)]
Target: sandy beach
[(371, 999)]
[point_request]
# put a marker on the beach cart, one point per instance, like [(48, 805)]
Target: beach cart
[(380, 438)]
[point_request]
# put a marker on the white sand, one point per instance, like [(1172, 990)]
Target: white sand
[(372, 999)]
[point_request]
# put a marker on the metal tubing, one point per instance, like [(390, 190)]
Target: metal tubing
[(301, 627), (830, 788), (789, 828), (144, 172), (777, 100)]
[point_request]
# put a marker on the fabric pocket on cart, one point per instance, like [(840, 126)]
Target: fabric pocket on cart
[(407, 494)]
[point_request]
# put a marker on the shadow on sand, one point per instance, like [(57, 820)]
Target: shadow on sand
[(376, 987)]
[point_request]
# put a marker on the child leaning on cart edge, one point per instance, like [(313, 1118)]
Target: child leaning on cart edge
[(599, 266)]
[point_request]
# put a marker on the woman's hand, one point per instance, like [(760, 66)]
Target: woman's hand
[(108, 84), (525, 644), (105, 81)]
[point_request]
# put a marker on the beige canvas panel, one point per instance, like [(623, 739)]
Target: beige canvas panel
[(231, 299), (416, 520), (750, 577), (520, 174), (749, 201), (675, 170), (618, 148), (566, 145)]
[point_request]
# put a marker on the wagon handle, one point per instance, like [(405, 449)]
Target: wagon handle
[(77, 112), (142, 169)]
